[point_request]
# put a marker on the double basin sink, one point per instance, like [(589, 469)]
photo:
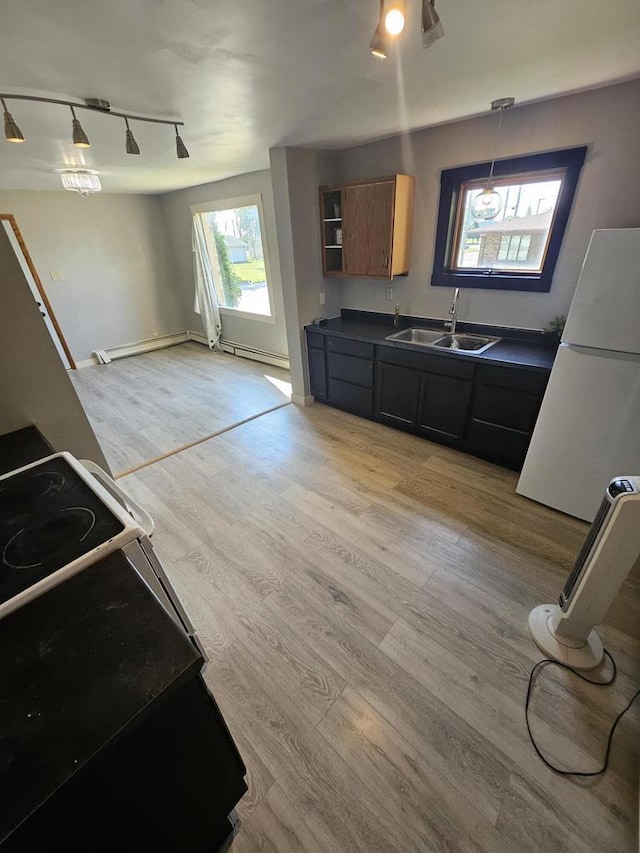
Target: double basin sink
[(441, 340)]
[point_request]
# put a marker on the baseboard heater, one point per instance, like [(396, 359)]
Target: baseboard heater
[(244, 351)]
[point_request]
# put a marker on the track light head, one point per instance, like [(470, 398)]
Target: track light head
[(12, 132), (432, 29), (80, 138), (181, 148), (395, 17), (379, 45), (131, 144)]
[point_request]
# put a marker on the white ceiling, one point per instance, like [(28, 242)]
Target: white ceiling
[(246, 75)]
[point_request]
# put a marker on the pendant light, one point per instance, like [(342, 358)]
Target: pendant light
[(395, 17), (380, 40), (131, 144), (80, 138), (181, 148), (488, 204), (431, 25), (12, 132)]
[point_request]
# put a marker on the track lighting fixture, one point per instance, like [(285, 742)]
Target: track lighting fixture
[(392, 20), (380, 38), (131, 144), (181, 148), (12, 132), (431, 24), (80, 138), (488, 204), (97, 105), (395, 17)]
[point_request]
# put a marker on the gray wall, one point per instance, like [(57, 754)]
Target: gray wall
[(607, 120), (119, 281), (34, 386), (177, 215)]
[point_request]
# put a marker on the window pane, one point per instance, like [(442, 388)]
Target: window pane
[(517, 238), (234, 240)]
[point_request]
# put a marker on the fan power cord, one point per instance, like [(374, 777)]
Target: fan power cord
[(589, 681)]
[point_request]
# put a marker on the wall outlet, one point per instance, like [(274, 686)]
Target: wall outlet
[(56, 275), (323, 300), (389, 294), (154, 332)]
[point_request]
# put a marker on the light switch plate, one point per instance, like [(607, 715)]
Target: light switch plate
[(389, 295), (56, 275), (323, 300)]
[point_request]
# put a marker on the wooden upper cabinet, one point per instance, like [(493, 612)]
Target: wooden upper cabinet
[(366, 227)]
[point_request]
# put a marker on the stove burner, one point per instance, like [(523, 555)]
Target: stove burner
[(17, 493), (32, 545)]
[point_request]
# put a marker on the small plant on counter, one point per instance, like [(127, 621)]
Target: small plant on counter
[(556, 326)]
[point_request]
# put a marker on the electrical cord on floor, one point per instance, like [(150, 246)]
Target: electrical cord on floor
[(589, 681)]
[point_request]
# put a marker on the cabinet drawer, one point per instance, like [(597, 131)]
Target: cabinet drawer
[(499, 444), (349, 346), (516, 378), (348, 368), (352, 397), (505, 407), (427, 362), (315, 339)]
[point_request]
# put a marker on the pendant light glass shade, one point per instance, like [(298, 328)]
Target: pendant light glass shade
[(181, 148), (131, 144), (488, 204), (80, 181), (395, 17), (12, 132), (432, 29), (80, 138)]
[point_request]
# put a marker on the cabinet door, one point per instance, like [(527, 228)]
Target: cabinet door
[(368, 226), (397, 393), (317, 373), (444, 406)]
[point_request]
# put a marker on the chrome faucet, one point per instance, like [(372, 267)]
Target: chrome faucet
[(453, 310), (396, 317)]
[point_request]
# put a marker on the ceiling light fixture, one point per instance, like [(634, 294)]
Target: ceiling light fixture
[(488, 204), (380, 40), (395, 17), (432, 29), (80, 138), (131, 144), (12, 132), (80, 181), (181, 148), (97, 105)]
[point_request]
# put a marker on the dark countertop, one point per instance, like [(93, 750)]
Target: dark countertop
[(517, 347), (77, 666), (22, 447)]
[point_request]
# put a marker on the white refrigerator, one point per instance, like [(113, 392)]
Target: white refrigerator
[(588, 430)]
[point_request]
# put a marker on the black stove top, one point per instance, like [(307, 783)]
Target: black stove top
[(48, 517)]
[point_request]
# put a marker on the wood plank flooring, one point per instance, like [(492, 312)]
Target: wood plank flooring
[(150, 404), (363, 597)]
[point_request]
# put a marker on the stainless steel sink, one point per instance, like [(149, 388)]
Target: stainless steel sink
[(432, 338), (423, 337), (465, 343)]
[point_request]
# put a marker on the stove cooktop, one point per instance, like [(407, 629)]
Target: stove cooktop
[(49, 517)]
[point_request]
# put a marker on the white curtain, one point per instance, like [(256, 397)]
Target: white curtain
[(206, 302)]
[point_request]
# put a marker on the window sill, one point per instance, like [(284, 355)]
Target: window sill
[(534, 282), (247, 315)]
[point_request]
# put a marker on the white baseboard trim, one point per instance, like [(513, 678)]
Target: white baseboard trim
[(244, 351), (136, 348), (301, 400)]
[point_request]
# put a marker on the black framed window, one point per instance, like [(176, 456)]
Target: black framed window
[(518, 249)]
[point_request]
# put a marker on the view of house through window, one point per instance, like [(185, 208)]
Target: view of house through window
[(517, 238), (234, 243)]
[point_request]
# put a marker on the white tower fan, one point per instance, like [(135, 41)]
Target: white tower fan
[(566, 631)]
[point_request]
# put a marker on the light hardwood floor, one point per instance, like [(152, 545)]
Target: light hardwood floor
[(363, 597), (147, 405)]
